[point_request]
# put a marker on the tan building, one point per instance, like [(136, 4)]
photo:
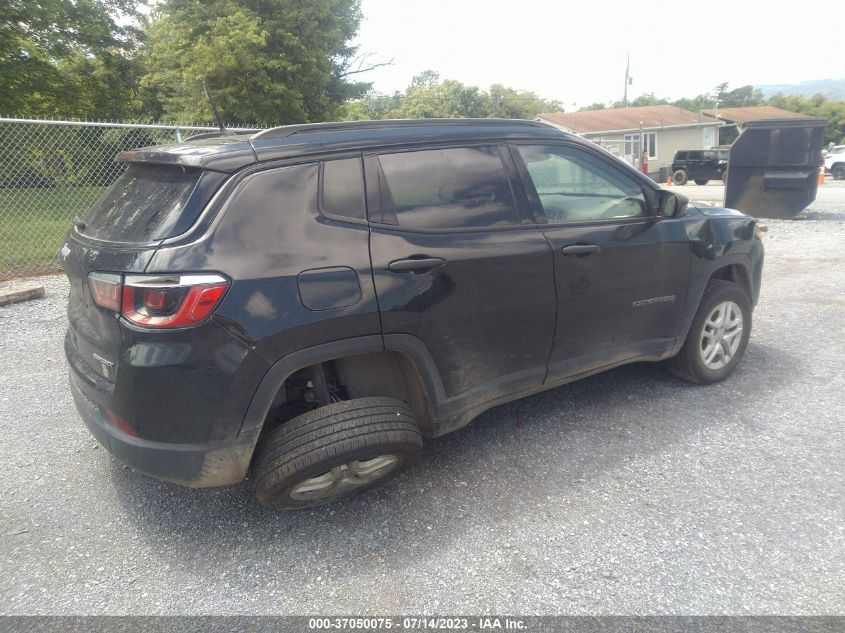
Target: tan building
[(665, 129)]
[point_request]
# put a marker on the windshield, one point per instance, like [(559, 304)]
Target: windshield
[(143, 205)]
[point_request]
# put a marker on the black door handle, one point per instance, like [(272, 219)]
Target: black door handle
[(415, 265), (580, 250)]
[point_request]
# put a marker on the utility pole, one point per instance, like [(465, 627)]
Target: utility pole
[(628, 78)]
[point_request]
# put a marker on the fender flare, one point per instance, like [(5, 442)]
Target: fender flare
[(739, 259)]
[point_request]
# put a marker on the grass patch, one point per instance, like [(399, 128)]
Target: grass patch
[(33, 223)]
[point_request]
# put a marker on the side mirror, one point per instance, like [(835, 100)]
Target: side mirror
[(671, 204)]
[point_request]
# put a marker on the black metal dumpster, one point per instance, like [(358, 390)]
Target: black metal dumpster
[(774, 167)]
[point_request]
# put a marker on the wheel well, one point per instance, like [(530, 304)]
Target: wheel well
[(737, 274), (377, 374)]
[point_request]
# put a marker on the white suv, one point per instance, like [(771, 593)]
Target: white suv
[(834, 162)]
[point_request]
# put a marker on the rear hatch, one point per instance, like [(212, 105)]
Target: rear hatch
[(119, 234)]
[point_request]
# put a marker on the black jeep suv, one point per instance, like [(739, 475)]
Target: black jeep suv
[(699, 165), (308, 303)]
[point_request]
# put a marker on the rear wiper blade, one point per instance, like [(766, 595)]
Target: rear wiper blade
[(79, 224)]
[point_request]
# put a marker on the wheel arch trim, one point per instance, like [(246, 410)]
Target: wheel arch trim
[(410, 346)]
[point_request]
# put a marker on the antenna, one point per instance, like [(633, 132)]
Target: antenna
[(214, 111)]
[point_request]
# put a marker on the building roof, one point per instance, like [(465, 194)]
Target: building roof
[(619, 119), (754, 113)]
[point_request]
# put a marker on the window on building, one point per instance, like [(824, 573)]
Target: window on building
[(632, 144)]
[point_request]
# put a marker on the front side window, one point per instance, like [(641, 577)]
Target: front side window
[(465, 187), (575, 186)]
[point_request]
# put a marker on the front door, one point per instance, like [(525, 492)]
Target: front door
[(621, 272), (457, 270)]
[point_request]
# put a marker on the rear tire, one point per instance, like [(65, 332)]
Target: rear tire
[(838, 171), (335, 452), (680, 177), (713, 349), (701, 182)]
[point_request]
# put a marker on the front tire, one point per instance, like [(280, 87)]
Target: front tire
[(718, 335), (838, 171), (700, 182), (335, 452), (680, 177)]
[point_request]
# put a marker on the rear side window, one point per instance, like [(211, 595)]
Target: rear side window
[(343, 188), (464, 187), (145, 204)]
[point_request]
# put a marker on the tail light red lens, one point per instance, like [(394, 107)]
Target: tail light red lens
[(164, 302), (159, 301), (105, 290)]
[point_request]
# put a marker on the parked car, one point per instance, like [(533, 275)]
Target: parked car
[(308, 303), (699, 165), (834, 162)]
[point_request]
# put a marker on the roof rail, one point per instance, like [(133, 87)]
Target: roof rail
[(228, 134), (289, 130)]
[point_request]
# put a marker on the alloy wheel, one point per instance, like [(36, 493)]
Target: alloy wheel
[(344, 478), (721, 335)]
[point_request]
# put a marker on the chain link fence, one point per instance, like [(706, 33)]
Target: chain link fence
[(52, 171), (627, 147)]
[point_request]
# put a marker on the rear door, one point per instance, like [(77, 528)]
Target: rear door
[(621, 272), (119, 234), (458, 268)]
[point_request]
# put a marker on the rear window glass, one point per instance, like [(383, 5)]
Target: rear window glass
[(464, 187), (146, 203)]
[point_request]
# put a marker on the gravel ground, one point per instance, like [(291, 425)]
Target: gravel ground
[(626, 493)]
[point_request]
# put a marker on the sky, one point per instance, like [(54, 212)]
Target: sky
[(575, 51)]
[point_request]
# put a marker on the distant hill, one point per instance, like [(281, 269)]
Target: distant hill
[(830, 88)]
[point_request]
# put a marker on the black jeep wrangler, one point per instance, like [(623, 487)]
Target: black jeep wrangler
[(699, 165), (308, 303)]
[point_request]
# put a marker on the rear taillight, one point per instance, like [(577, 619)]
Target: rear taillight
[(159, 301), (162, 301), (106, 290)]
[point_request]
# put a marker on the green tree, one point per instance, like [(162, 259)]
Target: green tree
[(831, 109), (429, 97), (739, 97), (266, 61), (45, 43), (647, 99)]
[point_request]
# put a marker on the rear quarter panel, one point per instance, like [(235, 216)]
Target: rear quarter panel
[(269, 237)]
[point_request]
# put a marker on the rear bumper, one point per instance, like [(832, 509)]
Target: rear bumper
[(192, 465)]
